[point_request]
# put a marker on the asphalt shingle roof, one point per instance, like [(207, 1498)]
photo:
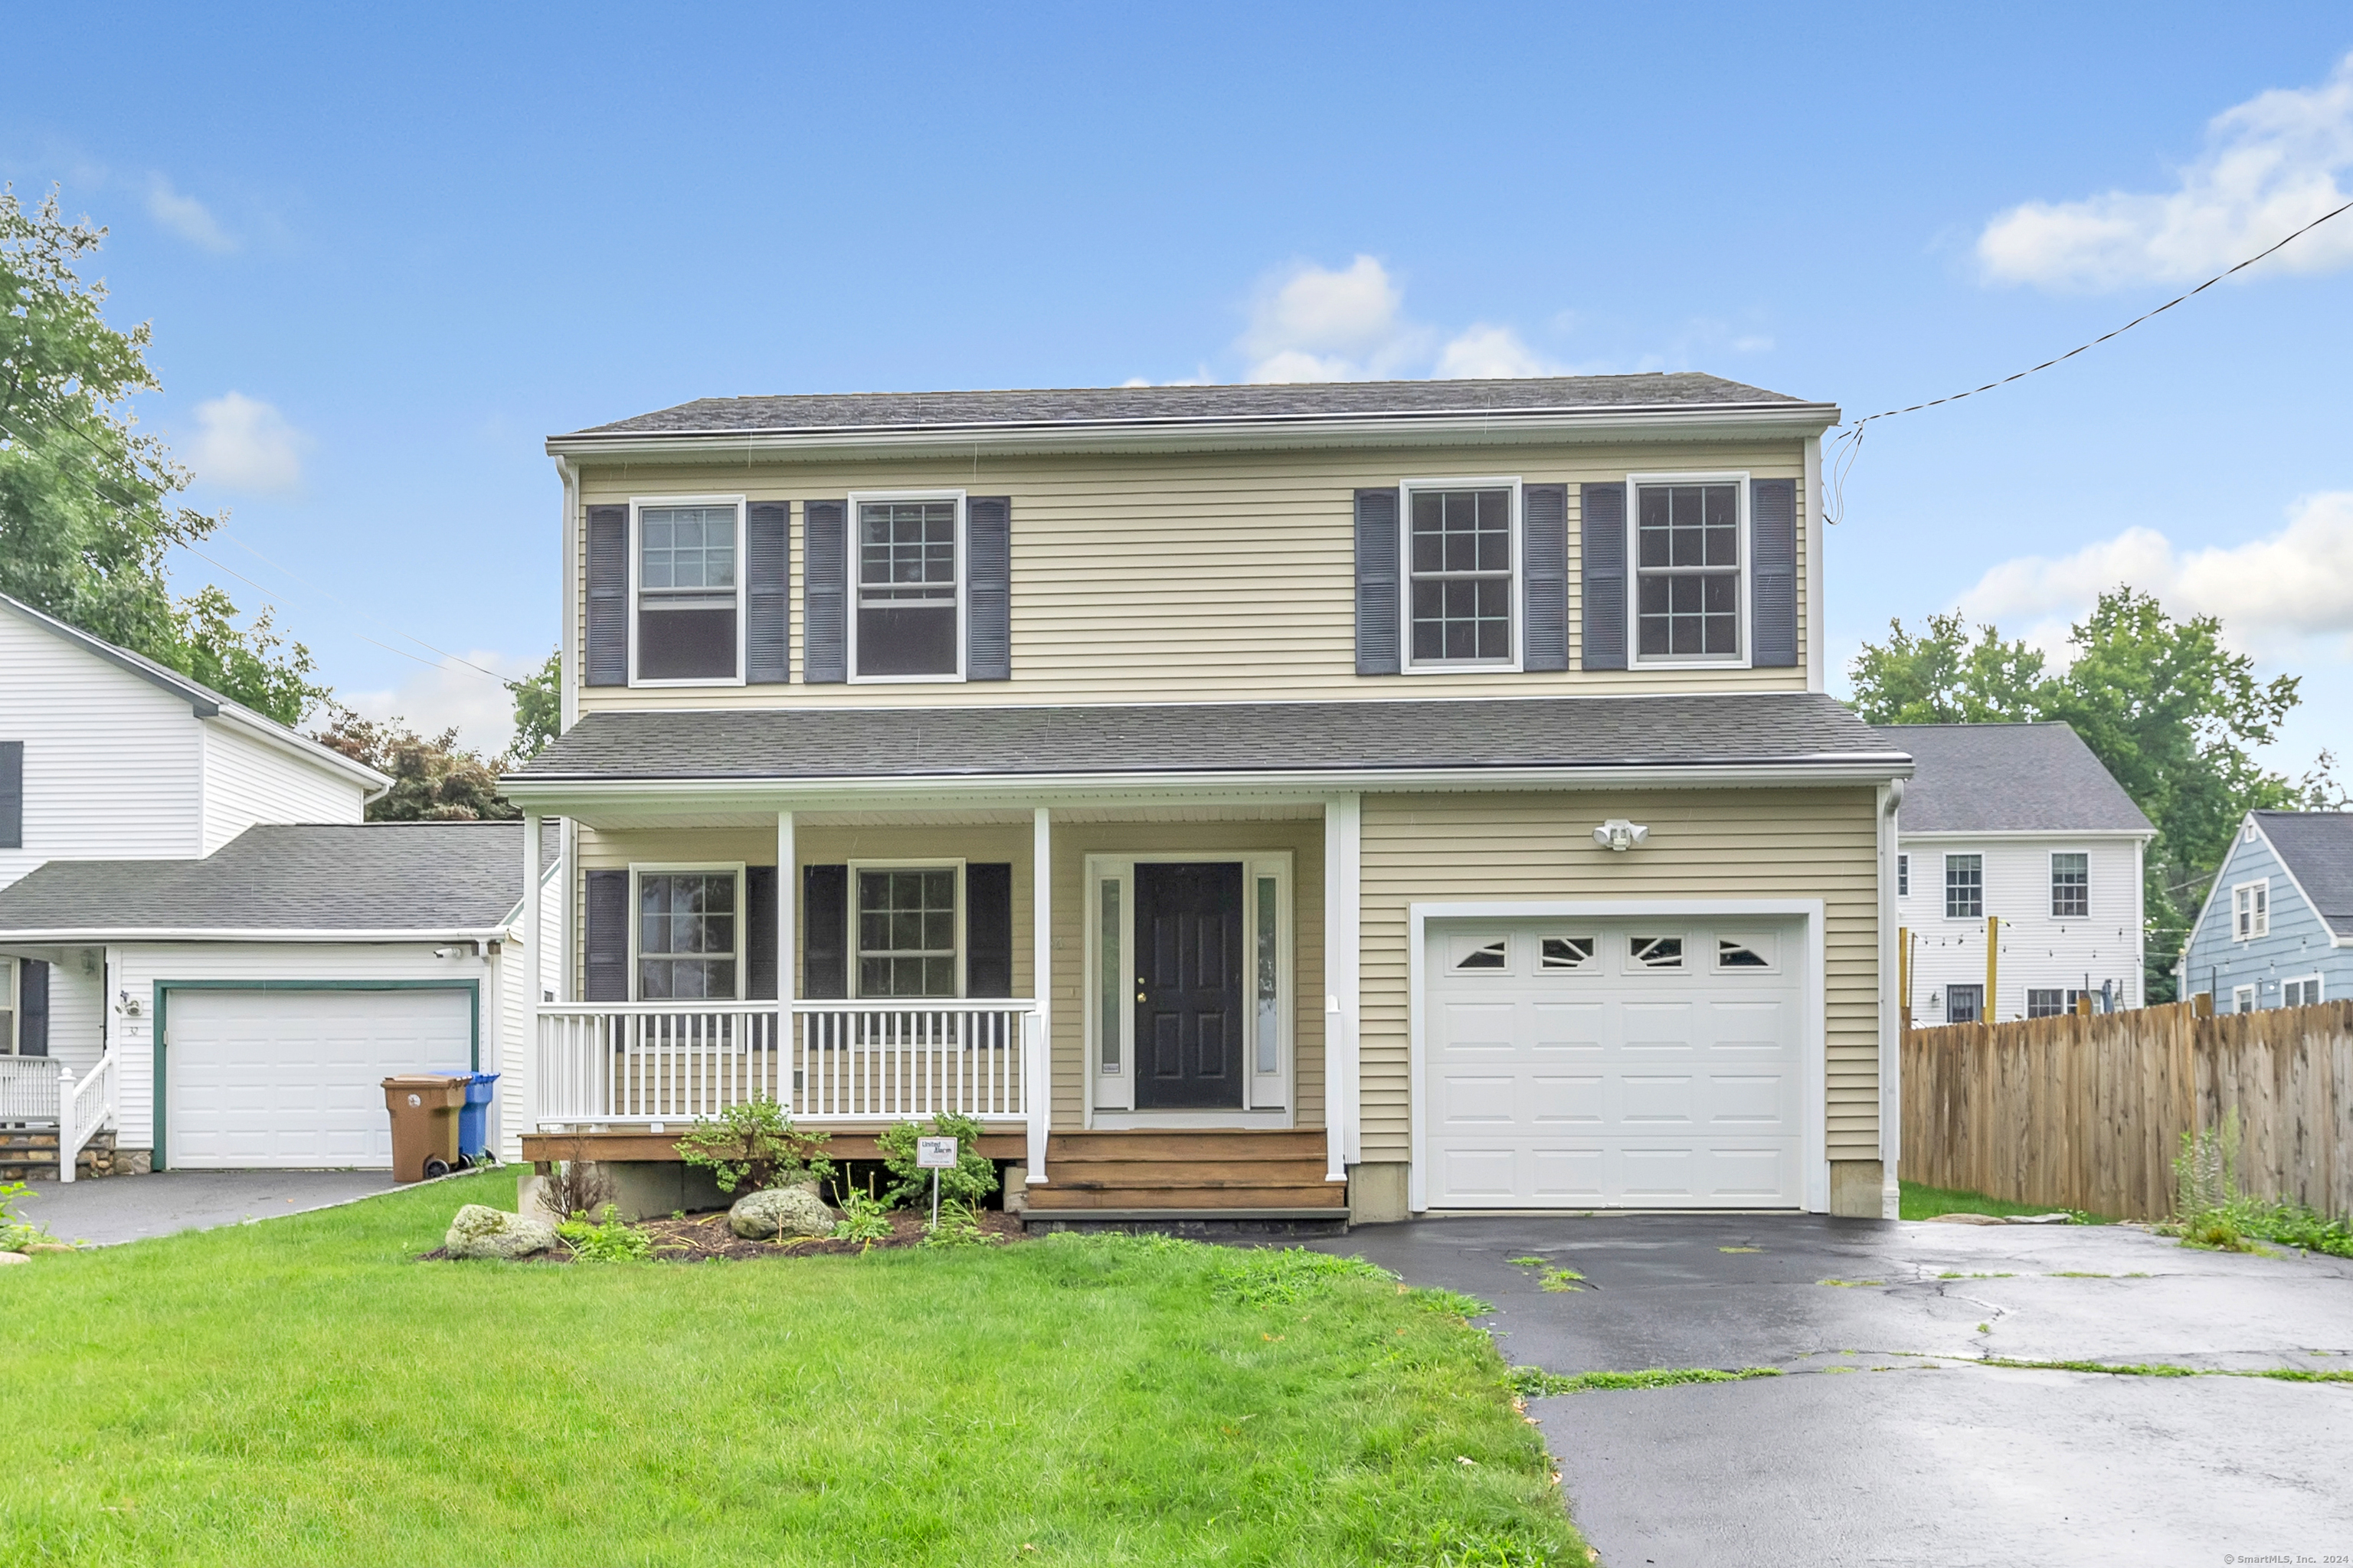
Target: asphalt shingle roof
[(2008, 777), (1211, 738), (376, 876), (2319, 849), (1179, 405)]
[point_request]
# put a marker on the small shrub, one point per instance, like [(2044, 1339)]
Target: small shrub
[(865, 1218), (17, 1232), (610, 1240), (973, 1179), (578, 1185), (958, 1225), (756, 1143)]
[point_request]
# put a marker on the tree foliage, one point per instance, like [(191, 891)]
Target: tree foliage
[(538, 708), (2169, 710), (434, 779), (88, 507)]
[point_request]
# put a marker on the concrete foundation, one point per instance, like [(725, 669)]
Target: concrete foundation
[(642, 1189), (1858, 1189), (1377, 1193)]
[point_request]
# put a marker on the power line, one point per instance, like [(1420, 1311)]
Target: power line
[(1854, 435)]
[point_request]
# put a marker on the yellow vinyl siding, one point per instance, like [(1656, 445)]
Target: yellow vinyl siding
[(1214, 576), (1704, 843)]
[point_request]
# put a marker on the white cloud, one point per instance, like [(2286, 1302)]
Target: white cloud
[(2269, 166), (2286, 596), (1315, 323), (187, 218), (243, 443), (1486, 353), (448, 695)]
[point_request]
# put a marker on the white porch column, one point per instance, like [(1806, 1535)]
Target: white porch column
[(522, 1095), (1040, 1074), (789, 881), (1343, 844)]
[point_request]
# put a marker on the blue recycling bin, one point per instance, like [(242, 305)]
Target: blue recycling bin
[(473, 1117)]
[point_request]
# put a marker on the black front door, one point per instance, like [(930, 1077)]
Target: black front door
[(1188, 986)]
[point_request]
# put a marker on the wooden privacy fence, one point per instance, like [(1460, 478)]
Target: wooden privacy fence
[(2087, 1112)]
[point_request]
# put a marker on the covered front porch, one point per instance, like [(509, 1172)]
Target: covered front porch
[(1130, 996)]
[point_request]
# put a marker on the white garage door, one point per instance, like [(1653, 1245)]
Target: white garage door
[(1593, 1063), (261, 1078)]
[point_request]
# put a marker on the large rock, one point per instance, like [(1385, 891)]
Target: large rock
[(14, 1257), (480, 1231), (780, 1212)]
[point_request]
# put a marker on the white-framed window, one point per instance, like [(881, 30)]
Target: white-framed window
[(907, 564), (1745, 952), (2070, 884), (2247, 834), (1462, 594), (2304, 993), (1654, 952), (2243, 999), (2051, 1002), (1963, 886), (1690, 561), (1567, 952), (907, 927), (8, 1005), (1964, 1003), (2250, 910), (686, 939), (1902, 876), (686, 586)]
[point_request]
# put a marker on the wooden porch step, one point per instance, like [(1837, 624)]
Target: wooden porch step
[(1057, 1198), (1159, 1144), (1105, 1174)]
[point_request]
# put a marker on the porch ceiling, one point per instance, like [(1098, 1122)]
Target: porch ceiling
[(608, 816)]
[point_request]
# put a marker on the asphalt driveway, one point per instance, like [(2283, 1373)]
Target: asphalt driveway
[(1888, 1439), (128, 1208)]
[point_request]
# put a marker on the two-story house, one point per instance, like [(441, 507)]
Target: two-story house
[(2014, 834), (2276, 928), (1257, 803), (205, 957)]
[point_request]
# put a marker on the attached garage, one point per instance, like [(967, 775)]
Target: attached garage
[(1649, 1062), (257, 1078)]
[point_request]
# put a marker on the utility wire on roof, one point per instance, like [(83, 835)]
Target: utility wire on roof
[(1852, 438)]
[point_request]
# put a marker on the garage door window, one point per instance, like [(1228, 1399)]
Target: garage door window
[(1494, 956), (1657, 952), (1741, 955), (686, 935), (1568, 952)]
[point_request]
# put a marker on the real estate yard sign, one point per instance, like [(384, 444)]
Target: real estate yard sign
[(935, 1155)]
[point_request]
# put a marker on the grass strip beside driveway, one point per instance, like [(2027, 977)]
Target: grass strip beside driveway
[(300, 1392)]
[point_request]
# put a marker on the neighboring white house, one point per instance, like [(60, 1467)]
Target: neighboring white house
[(2016, 823)]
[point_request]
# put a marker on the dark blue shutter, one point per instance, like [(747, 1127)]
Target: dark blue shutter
[(1376, 582), (768, 594), (824, 592), (989, 588), (606, 975), (1773, 572), (989, 930), (33, 1008), (1602, 513), (12, 794), (608, 596), (824, 931), (1543, 576), (760, 933)]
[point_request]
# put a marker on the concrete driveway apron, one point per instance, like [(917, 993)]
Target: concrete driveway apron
[(1889, 1438), (128, 1208)]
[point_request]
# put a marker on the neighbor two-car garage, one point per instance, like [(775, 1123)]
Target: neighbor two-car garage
[(274, 1077), (1655, 1062)]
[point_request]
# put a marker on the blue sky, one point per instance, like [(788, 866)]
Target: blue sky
[(385, 253)]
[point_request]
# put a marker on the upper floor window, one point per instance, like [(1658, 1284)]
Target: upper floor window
[(2250, 910), (1963, 886), (2070, 885), (690, 607), (687, 935), (1902, 876), (910, 586), (1462, 574), (1688, 572)]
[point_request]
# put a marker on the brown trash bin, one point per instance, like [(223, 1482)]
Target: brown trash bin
[(424, 1107)]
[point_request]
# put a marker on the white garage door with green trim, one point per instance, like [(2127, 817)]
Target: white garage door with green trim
[(294, 1078), (1610, 1063)]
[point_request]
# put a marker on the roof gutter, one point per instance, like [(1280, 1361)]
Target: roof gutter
[(93, 936), (1449, 425)]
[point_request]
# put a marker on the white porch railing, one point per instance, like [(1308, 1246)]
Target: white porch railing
[(28, 1088), (622, 1062), (83, 1108)]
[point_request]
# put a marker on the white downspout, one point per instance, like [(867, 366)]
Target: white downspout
[(787, 908), (1342, 845), (1041, 985), (526, 1100), (1890, 1030)]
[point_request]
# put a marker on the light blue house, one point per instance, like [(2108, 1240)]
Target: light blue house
[(2277, 927)]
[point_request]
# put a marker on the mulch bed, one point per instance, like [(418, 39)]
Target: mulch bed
[(704, 1238)]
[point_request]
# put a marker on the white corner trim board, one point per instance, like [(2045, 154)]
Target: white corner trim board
[(1812, 1145)]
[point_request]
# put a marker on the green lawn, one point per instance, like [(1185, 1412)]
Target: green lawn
[(299, 1391), (1927, 1203)]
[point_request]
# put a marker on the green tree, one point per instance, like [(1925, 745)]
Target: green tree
[(434, 779), (538, 708), (88, 511), (2165, 707)]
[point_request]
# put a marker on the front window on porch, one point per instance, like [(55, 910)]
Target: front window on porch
[(686, 935), (907, 932)]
